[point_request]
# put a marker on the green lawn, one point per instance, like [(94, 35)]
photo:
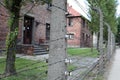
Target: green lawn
[(31, 70), (27, 70), (83, 52)]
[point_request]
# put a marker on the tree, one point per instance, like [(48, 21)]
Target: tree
[(118, 31), (106, 14), (108, 9), (13, 7)]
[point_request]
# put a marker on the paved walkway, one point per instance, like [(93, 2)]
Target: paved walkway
[(37, 57), (114, 73)]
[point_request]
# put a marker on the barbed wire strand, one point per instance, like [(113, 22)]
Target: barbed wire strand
[(33, 68)]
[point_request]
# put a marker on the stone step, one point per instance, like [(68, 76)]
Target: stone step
[(39, 50), (39, 53)]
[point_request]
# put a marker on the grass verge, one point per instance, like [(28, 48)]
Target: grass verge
[(27, 70), (30, 70), (83, 52)]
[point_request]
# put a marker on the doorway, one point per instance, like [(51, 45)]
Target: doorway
[(27, 32)]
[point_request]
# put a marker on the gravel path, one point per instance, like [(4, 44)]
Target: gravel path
[(82, 64)]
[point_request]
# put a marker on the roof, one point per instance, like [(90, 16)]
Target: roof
[(80, 6), (72, 11)]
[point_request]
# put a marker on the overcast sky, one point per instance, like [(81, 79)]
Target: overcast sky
[(83, 8), (118, 8)]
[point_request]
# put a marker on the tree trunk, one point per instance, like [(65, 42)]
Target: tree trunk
[(14, 10), (57, 53)]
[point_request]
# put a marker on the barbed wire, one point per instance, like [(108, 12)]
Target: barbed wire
[(89, 69), (19, 71), (24, 69), (28, 65), (37, 62), (81, 76)]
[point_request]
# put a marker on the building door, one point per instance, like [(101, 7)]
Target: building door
[(27, 32)]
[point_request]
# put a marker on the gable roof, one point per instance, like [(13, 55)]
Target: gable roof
[(80, 6), (72, 11)]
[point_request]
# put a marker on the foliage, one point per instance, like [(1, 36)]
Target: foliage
[(118, 31), (109, 9), (94, 25)]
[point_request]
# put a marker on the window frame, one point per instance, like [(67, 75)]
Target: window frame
[(71, 36), (70, 22)]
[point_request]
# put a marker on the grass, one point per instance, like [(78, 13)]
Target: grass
[(83, 52), (2, 65), (99, 77), (33, 74), (71, 67), (30, 72), (36, 72)]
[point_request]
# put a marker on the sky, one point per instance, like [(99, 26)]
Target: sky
[(118, 8), (82, 8)]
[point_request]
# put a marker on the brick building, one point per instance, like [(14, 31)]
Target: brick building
[(34, 27), (77, 29)]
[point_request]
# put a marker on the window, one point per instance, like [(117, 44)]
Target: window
[(86, 37), (83, 36), (70, 36), (83, 22), (70, 21), (48, 26)]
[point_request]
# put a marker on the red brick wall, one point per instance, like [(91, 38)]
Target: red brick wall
[(42, 16), (3, 26), (76, 30), (87, 40)]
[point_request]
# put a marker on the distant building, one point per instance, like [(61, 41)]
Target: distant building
[(77, 29)]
